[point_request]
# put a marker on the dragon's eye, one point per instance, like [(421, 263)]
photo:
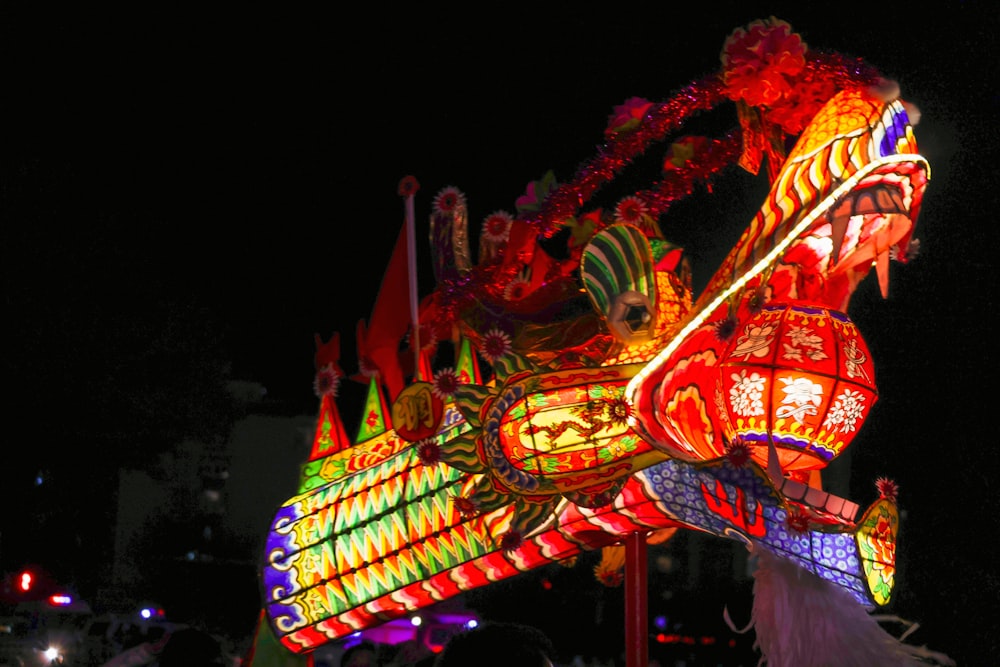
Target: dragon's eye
[(631, 318), (637, 319)]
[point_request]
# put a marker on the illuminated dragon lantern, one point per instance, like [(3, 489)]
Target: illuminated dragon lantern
[(612, 402)]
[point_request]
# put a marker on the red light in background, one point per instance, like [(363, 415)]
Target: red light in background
[(673, 638), (25, 581)]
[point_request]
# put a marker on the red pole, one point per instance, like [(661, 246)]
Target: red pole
[(636, 610)]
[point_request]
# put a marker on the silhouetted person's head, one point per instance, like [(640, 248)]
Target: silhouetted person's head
[(364, 654), (498, 645), (191, 648)]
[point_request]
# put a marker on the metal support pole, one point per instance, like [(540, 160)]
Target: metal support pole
[(636, 609)]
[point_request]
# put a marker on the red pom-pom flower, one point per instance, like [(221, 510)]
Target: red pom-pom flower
[(760, 63), (408, 186)]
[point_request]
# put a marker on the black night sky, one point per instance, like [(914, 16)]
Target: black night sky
[(206, 189)]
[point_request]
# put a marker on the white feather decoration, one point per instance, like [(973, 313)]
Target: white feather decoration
[(801, 620)]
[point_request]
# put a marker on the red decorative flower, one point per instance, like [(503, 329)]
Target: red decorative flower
[(887, 488), (327, 381), (757, 299), (496, 227), (738, 453), (511, 540), (429, 451), (725, 328), (760, 63), (445, 383), (628, 116), (408, 186), (797, 520), (619, 410), (631, 210), (465, 507), (610, 578), (447, 200), (496, 344), (801, 103), (516, 289)]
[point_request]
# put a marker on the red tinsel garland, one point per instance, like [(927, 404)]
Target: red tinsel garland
[(823, 74)]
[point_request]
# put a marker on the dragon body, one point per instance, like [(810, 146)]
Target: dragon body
[(630, 415)]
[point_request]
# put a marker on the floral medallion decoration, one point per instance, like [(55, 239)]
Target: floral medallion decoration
[(445, 383), (327, 381), (408, 186), (448, 200), (496, 227)]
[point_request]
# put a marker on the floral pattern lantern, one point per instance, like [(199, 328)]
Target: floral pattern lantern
[(802, 374)]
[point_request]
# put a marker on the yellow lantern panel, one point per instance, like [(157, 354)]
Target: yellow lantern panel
[(575, 432)]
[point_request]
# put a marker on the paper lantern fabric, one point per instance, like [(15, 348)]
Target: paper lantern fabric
[(378, 544), (801, 377)]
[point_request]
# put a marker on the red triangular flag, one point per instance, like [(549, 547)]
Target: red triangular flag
[(390, 318)]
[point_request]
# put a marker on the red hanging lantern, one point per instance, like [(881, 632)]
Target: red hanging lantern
[(800, 376)]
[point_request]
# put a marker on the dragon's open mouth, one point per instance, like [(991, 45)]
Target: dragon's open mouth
[(864, 229)]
